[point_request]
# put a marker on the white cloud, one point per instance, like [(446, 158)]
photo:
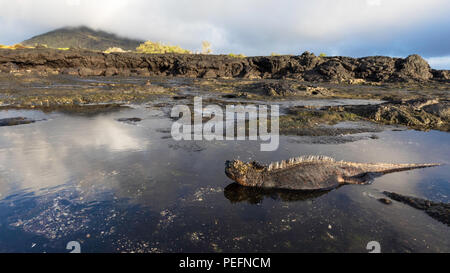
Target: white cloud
[(373, 2), (439, 62)]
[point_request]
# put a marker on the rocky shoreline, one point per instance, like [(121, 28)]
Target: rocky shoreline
[(411, 93), (305, 67), (421, 114)]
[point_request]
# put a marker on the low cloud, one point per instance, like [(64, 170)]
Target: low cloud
[(252, 27), (439, 62)]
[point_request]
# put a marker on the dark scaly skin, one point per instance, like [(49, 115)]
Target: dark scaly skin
[(314, 173)]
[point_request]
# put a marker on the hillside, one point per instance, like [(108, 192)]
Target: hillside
[(82, 37)]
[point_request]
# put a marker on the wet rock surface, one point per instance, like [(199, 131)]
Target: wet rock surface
[(285, 89), (385, 201), (311, 121), (15, 121), (306, 67), (418, 113), (30, 91), (129, 120), (439, 211)]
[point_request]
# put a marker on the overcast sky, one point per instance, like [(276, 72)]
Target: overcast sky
[(251, 27)]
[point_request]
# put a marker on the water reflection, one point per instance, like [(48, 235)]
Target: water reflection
[(133, 188), (237, 193), (38, 156)]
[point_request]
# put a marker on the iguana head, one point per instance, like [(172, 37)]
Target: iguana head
[(246, 174)]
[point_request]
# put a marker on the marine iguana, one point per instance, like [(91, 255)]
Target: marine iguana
[(310, 172)]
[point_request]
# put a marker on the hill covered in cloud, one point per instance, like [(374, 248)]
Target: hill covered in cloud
[(82, 37)]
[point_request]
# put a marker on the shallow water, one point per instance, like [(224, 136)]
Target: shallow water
[(119, 187)]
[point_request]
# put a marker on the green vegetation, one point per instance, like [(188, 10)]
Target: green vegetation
[(114, 49), (159, 48), (21, 46), (206, 47), (301, 118), (16, 46), (121, 92), (236, 55), (322, 55), (305, 116)]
